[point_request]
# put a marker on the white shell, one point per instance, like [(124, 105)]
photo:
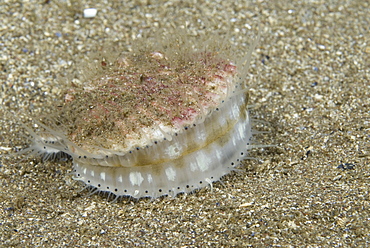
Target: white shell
[(90, 13)]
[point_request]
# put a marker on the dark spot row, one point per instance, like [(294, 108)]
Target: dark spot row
[(49, 142), (146, 191)]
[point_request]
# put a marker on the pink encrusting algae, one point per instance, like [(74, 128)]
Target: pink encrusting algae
[(150, 125)]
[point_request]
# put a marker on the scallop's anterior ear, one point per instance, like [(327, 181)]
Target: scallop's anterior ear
[(44, 142)]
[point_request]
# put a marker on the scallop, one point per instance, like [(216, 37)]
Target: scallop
[(150, 125)]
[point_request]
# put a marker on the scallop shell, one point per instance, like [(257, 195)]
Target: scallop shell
[(150, 126)]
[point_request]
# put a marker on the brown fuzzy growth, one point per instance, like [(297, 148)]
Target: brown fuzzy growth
[(144, 90)]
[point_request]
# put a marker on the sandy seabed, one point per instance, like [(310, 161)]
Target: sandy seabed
[(310, 83)]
